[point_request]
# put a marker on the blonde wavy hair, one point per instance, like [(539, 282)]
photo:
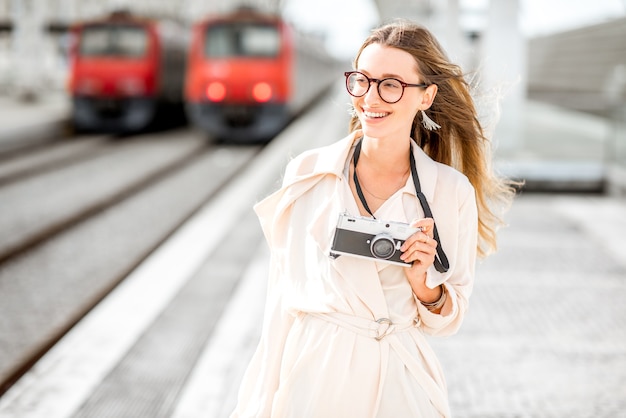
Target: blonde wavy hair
[(461, 141)]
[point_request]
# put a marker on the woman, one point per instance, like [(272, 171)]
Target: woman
[(343, 336)]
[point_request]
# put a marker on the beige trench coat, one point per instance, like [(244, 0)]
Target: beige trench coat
[(319, 355)]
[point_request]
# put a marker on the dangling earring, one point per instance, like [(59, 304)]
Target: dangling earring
[(351, 110), (428, 123)]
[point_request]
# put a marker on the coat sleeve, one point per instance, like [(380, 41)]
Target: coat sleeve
[(262, 377), (459, 283)]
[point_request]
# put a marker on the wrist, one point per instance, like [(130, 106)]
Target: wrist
[(430, 296), (436, 304)]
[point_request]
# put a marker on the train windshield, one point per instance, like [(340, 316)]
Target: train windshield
[(113, 41), (242, 40)]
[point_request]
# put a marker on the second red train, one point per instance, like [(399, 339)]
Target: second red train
[(249, 74)]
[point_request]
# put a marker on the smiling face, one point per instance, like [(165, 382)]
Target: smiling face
[(386, 120)]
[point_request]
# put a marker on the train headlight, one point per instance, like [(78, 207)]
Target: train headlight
[(216, 91), (262, 92)]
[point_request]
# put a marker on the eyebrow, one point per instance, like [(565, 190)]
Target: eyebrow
[(385, 75)]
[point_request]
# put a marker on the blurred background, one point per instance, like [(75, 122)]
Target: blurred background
[(528, 59), (135, 136)]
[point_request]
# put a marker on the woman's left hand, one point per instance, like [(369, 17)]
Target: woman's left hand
[(419, 249)]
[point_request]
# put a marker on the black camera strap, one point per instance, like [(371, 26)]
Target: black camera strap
[(357, 185), (441, 261)]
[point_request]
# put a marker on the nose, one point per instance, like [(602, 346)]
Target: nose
[(372, 92)]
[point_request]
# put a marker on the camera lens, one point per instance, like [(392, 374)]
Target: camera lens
[(383, 246)]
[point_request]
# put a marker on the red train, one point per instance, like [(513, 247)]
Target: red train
[(248, 75), (124, 70)]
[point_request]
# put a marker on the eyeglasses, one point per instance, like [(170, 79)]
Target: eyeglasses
[(390, 90)]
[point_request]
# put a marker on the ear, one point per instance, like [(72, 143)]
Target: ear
[(428, 96)]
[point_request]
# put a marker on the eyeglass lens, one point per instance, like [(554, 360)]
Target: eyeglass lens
[(389, 89)]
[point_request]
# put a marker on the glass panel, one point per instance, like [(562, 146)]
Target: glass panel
[(113, 41), (242, 40)]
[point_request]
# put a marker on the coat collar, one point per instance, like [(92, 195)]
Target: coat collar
[(332, 159)]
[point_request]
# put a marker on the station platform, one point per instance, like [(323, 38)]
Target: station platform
[(44, 118), (545, 334)]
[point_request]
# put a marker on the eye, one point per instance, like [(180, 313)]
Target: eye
[(391, 84), (360, 79)]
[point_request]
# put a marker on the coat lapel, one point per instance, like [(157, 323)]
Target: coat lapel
[(323, 168)]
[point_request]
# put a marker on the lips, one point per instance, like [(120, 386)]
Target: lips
[(375, 115)]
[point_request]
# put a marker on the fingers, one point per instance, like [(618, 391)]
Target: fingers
[(419, 258), (419, 247), (427, 225)]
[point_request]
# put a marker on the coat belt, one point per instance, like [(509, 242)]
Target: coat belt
[(381, 328), (377, 329)]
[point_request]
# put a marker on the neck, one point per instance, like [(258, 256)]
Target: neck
[(385, 156)]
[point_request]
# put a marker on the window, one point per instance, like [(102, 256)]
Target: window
[(242, 40), (113, 41)]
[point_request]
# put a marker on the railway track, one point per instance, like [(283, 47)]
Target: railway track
[(85, 217), (78, 215)]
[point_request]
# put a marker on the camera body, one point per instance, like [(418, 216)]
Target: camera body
[(371, 238)]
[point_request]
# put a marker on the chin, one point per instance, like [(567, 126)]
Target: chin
[(373, 132)]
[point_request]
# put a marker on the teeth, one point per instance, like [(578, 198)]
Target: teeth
[(374, 115)]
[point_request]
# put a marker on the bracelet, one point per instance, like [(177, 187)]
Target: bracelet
[(438, 304)]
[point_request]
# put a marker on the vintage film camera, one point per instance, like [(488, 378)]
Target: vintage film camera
[(371, 238)]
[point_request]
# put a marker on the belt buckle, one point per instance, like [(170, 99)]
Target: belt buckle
[(383, 329)]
